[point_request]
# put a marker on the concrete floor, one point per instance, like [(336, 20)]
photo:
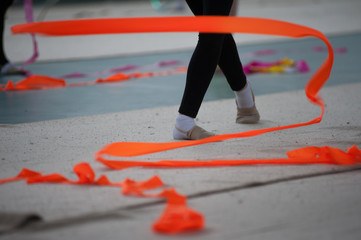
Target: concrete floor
[(293, 202)]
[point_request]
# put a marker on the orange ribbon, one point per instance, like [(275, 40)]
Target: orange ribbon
[(45, 82), (308, 155), (215, 24), (176, 217), (24, 174)]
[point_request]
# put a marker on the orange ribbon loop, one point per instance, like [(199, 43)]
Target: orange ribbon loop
[(216, 24)]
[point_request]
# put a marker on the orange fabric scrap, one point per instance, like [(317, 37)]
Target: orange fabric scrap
[(35, 82), (114, 78), (131, 187), (45, 82), (177, 217)]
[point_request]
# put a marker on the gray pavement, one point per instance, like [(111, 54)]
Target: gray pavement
[(234, 212), (291, 202)]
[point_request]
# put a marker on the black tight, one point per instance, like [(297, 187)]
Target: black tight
[(212, 49)]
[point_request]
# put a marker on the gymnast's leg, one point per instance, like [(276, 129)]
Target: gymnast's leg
[(211, 49)]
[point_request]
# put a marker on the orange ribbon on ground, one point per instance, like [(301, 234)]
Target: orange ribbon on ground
[(34, 82), (24, 174), (176, 217), (308, 155), (44, 82)]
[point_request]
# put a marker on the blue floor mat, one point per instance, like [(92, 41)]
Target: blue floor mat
[(49, 104)]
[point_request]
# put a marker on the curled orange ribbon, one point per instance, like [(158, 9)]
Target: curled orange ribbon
[(216, 24), (176, 217)]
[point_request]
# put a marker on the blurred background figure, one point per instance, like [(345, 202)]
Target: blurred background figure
[(6, 68)]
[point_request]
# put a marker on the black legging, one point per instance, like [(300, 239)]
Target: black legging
[(5, 4), (212, 49)]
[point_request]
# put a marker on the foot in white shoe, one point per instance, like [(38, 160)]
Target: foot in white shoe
[(186, 129), (183, 124), (194, 133)]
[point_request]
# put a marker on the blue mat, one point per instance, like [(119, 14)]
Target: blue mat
[(49, 104)]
